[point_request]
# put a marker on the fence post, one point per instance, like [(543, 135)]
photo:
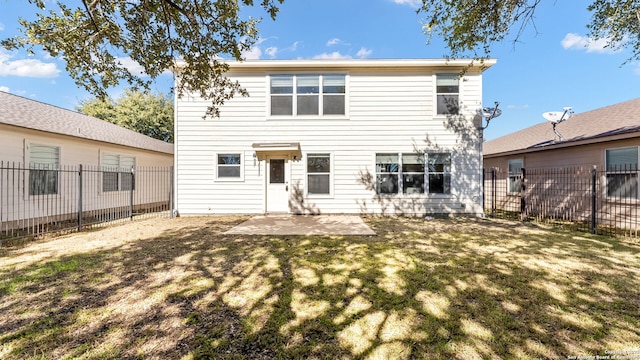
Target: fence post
[(493, 192), (594, 177), (80, 198), (523, 188), (133, 180)]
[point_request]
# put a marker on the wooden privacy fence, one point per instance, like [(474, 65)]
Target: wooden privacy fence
[(39, 200), (600, 201)]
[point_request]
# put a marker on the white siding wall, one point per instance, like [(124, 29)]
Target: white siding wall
[(14, 149), (387, 111)]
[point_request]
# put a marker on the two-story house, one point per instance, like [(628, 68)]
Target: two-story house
[(335, 136)]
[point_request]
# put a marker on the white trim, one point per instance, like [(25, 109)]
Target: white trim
[(631, 171), (352, 64), (273, 146), (425, 185), (331, 193), (320, 94), (102, 167), (229, 179), (509, 176), (27, 154), (435, 94)]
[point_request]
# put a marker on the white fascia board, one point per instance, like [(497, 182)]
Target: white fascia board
[(357, 63)]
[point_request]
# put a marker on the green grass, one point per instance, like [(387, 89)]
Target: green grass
[(419, 289)]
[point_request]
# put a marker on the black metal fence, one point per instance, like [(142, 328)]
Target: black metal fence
[(600, 201), (36, 201)]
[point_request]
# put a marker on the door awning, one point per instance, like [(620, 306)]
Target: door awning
[(290, 146)]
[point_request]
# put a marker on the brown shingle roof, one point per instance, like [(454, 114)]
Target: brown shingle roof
[(617, 119), (18, 111)]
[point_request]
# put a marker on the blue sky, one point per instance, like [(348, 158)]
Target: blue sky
[(553, 64)]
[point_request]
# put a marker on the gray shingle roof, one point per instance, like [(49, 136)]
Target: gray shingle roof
[(594, 125), (18, 111)]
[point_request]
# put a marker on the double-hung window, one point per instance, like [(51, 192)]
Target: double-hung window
[(117, 172), (318, 174), (413, 173), (622, 172), (229, 166), (447, 94), (515, 175), (387, 170), (44, 162), (307, 95), (282, 95), (439, 173)]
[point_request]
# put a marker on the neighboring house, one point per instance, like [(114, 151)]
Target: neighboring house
[(39, 143), (608, 138), (558, 167), (335, 136)]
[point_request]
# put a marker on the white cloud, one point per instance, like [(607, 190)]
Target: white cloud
[(364, 52), (4, 89), (334, 41), (413, 3), (132, 66), (135, 68), (1, 27), (573, 41), (271, 51), (294, 46), (26, 67), (332, 56), (252, 54)]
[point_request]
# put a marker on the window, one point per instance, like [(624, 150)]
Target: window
[(412, 173), (622, 172), (307, 95), (447, 94), (515, 175), (387, 169), (439, 173), (229, 166), (44, 164), (319, 174), (117, 172), (282, 95), (333, 90)]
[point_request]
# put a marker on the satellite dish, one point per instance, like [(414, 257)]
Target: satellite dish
[(489, 113), (554, 116)]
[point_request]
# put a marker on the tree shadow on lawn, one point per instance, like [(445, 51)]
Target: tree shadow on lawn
[(444, 288)]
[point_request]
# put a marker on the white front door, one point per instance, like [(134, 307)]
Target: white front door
[(277, 184)]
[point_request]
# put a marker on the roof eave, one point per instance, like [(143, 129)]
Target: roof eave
[(355, 63), (566, 144)]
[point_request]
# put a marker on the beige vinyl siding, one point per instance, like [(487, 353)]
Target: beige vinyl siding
[(15, 143), (388, 110), (572, 156)]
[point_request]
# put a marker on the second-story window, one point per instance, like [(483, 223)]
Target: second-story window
[(307, 95), (447, 94)]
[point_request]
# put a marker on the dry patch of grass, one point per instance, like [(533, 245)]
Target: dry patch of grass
[(459, 289)]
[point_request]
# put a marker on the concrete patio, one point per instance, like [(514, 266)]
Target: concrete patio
[(303, 225)]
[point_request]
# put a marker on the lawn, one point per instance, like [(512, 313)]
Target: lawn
[(180, 289)]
